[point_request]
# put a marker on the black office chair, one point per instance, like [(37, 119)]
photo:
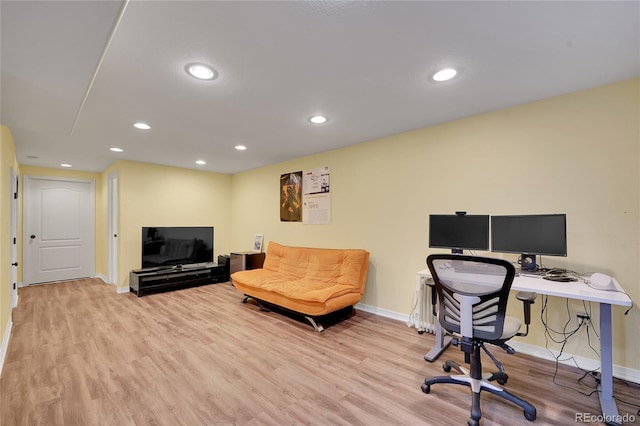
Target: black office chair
[(472, 301)]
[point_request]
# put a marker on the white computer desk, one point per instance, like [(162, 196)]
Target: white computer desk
[(570, 290)]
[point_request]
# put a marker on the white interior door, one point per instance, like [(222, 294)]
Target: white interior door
[(58, 237), (113, 228), (13, 253)]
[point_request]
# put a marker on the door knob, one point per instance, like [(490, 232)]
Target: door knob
[(14, 264), (33, 236)]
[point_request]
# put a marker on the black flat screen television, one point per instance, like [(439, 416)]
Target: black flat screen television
[(530, 236), (169, 246), (459, 232)]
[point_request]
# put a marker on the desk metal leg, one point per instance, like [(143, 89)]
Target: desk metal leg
[(605, 389), (443, 340)]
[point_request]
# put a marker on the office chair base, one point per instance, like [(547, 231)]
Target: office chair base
[(500, 377), (478, 385)]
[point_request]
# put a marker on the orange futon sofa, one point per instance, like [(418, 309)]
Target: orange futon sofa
[(309, 281)]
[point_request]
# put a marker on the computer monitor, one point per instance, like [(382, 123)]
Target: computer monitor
[(459, 232), (530, 236)]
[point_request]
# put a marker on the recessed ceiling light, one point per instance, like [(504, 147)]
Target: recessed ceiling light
[(116, 149), (201, 71), (318, 119), (445, 74), (201, 162), (240, 147), (65, 165), (142, 126)]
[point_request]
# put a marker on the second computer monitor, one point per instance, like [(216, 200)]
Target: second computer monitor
[(538, 234)]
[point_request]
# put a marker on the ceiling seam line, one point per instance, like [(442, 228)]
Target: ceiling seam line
[(95, 73)]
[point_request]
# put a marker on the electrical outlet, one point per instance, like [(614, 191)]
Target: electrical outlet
[(583, 318)]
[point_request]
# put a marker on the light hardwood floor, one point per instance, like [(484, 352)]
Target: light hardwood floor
[(80, 354)]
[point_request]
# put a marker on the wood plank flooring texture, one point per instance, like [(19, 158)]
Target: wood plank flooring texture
[(81, 354)]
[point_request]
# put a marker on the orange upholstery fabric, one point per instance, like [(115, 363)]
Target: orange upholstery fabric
[(312, 281)]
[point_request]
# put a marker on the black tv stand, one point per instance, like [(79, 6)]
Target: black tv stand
[(144, 281)]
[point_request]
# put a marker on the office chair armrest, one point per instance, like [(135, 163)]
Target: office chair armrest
[(432, 286), (527, 298)]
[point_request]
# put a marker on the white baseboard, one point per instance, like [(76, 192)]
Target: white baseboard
[(382, 312), (588, 364), (5, 342), (118, 289)]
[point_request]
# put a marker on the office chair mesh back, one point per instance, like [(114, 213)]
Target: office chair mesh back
[(487, 280)]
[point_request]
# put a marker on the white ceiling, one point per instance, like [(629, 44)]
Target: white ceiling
[(76, 75)]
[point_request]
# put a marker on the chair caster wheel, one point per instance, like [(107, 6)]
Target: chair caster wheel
[(499, 377), (446, 367), (530, 416), (425, 388), (473, 422)]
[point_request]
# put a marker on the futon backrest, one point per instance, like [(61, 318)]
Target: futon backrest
[(340, 266)]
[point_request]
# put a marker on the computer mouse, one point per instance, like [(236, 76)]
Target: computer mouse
[(601, 281)]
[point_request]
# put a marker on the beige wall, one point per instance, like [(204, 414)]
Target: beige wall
[(7, 163), (576, 154), (153, 195)]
